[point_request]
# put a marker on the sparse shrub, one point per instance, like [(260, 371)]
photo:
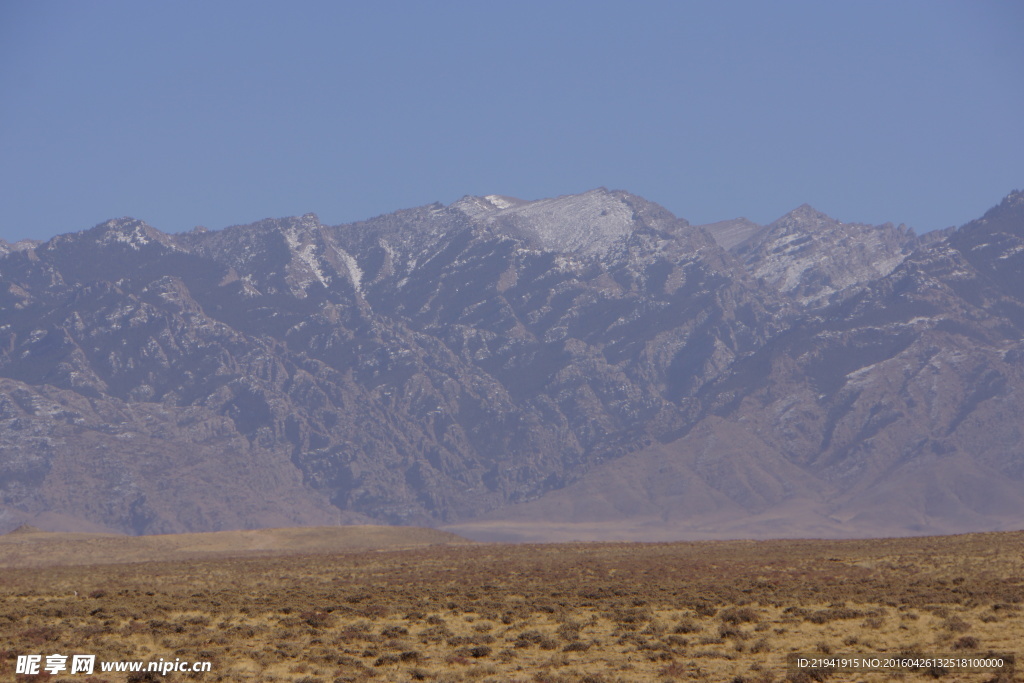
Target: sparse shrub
[(655, 628), (456, 641), (434, 634), (955, 625), (529, 638), (39, 635), (673, 670), (548, 643), (808, 675), (731, 631), (739, 615), (569, 630), (386, 659), (824, 616), (704, 609), (760, 645), (143, 677), (630, 615), (686, 626), (966, 643), (873, 622), (374, 611), (316, 619)]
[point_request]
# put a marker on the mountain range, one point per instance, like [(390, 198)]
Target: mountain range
[(585, 366)]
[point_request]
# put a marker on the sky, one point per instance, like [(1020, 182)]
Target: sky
[(219, 113)]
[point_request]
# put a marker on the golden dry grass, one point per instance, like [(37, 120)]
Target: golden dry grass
[(702, 611)]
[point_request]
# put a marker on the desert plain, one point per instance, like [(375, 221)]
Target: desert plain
[(340, 604)]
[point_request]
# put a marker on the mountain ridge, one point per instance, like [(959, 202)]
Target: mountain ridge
[(445, 364)]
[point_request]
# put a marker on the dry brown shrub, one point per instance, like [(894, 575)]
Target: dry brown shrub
[(629, 615), (966, 643), (731, 631), (824, 616), (529, 638), (686, 626), (39, 635), (955, 625), (317, 619), (760, 645), (705, 609), (739, 615), (873, 622), (569, 630)]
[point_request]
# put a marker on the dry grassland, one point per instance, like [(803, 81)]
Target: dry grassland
[(703, 611), (29, 549)]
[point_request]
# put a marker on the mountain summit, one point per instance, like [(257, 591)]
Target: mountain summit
[(590, 361), (588, 223)]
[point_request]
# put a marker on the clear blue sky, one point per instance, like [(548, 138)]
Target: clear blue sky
[(217, 113)]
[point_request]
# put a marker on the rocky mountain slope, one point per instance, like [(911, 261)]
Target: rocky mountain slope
[(502, 361)]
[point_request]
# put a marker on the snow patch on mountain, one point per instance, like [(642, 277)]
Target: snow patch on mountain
[(587, 223), (499, 201), (811, 256), (305, 253), (354, 271)]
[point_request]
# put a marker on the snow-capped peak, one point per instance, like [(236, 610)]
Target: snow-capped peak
[(132, 233), (499, 202), (583, 223)]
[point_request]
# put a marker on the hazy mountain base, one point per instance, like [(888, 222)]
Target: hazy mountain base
[(31, 547), (723, 481)]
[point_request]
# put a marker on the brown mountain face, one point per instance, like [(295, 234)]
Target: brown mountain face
[(584, 360)]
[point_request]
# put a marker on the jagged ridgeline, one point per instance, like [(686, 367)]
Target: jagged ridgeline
[(584, 360)]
